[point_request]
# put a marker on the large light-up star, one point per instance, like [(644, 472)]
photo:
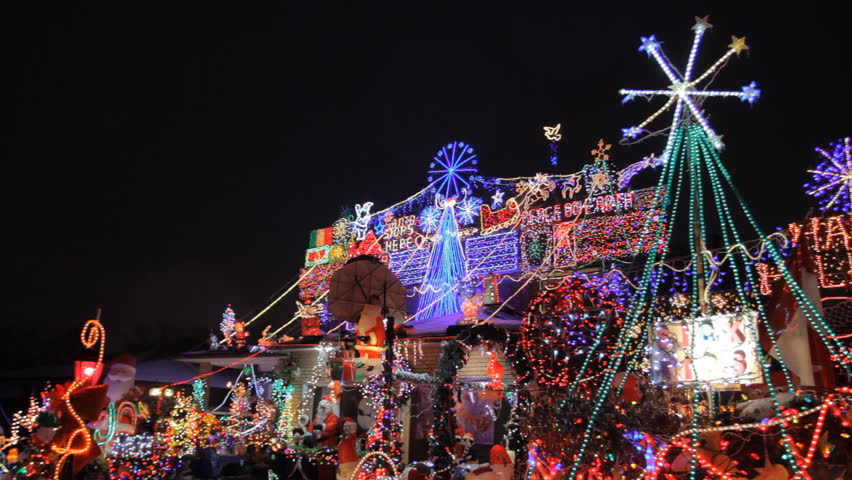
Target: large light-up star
[(683, 88)]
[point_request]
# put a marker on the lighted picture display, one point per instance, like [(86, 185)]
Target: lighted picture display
[(717, 350)]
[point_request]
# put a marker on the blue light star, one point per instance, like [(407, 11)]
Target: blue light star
[(750, 93), (649, 44), (631, 132)]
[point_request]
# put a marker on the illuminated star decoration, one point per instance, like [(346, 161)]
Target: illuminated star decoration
[(497, 199), (449, 168), (683, 89), (832, 179)]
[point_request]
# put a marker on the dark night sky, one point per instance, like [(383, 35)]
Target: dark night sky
[(164, 160)]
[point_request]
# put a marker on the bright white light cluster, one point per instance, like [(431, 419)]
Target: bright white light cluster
[(127, 445), (683, 88)]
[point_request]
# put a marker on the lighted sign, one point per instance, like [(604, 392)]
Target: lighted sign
[(828, 244), (317, 256), (716, 350)]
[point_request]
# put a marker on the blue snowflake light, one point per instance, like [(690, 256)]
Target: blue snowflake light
[(450, 168), (429, 218), (832, 179), (468, 210)]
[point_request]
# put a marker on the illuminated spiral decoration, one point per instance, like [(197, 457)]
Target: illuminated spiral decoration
[(93, 332), (832, 179), (80, 440), (563, 326), (451, 168)]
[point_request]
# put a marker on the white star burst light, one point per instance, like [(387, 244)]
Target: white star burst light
[(683, 88)]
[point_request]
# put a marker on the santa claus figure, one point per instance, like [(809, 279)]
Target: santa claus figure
[(120, 377), (325, 425), (240, 334), (347, 450)]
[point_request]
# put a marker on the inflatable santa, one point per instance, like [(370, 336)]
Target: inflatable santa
[(370, 337), (120, 377), (370, 332)]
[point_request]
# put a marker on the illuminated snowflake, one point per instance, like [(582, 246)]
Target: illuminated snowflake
[(449, 168), (429, 218), (832, 179), (468, 210)]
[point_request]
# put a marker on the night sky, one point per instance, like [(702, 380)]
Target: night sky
[(162, 161)]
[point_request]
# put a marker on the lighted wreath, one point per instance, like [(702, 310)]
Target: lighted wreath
[(570, 331)]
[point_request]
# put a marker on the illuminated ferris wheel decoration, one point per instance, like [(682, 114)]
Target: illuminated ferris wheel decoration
[(832, 179), (451, 167)]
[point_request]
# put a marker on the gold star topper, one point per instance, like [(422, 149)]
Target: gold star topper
[(600, 152), (552, 133), (738, 44)]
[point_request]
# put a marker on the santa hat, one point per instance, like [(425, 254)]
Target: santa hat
[(467, 436), (326, 397), (348, 420), (124, 359)]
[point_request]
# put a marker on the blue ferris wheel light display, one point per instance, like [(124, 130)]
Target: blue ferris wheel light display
[(451, 167)]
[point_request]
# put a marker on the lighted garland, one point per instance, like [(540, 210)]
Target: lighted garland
[(442, 435)]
